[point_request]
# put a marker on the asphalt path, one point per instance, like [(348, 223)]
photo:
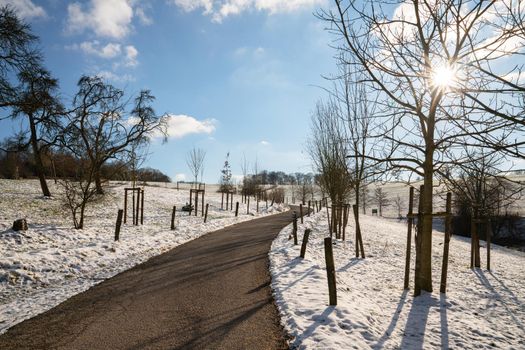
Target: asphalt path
[(210, 293)]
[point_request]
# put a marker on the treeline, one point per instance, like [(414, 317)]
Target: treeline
[(18, 163), (266, 177)]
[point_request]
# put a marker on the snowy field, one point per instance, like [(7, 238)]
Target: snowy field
[(51, 261), (481, 310)]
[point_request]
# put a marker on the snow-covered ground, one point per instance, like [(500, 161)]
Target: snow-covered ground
[(51, 262), (481, 309)]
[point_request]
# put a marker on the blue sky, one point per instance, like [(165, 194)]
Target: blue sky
[(237, 75)]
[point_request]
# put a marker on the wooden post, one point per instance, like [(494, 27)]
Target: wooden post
[(142, 208), (227, 200), (191, 199), (138, 208), (417, 284), (173, 217), (202, 202), (477, 258), (125, 204), (308, 208), (133, 208), (330, 270), (488, 237), (206, 213), (345, 217), (119, 223), (329, 222), (248, 205), (446, 244), (294, 232), (236, 209), (305, 242), (409, 236), (301, 212), (231, 203), (257, 197), (196, 202), (359, 247), (222, 200)]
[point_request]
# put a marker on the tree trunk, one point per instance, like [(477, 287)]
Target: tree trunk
[(39, 165), (98, 181), (424, 280)]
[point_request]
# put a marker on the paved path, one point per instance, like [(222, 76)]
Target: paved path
[(211, 293)]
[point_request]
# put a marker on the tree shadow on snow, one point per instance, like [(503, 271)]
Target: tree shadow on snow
[(392, 325), (498, 297), (414, 333)]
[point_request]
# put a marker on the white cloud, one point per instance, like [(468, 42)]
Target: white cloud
[(119, 78), (25, 8), (107, 18), (94, 48), (220, 9), (131, 56), (182, 125), (144, 19), (265, 143)]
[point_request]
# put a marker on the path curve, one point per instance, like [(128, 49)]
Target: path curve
[(210, 293)]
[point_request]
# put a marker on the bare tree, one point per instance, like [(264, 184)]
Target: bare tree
[(195, 162), (381, 199), (107, 129), (399, 203), (328, 149), (433, 66)]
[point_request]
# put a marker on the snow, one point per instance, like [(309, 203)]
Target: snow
[(51, 262), (481, 309)]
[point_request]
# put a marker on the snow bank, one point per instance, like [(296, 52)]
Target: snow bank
[(51, 261), (481, 310)]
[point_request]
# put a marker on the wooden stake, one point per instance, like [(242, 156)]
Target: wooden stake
[(329, 222), (305, 242), (173, 217), (125, 204), (142, 208), (236, 209), (294, 232), (301, 212), (206, 213), (409, 237), (417, 284), (446, 244), (488, 238), (118, 224), (330, 270)]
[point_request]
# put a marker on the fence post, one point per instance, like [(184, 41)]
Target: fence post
[(142, 208), (488, 237), (410, 222), (309, 208), (444, 266), (301, 212), (294, 228), (305, 242), (248, 206), (330, 270), (125, 204), (206, 213), (119, 223), (173, 217)]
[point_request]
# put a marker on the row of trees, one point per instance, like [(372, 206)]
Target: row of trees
[(17, 161), (99, 125), (428, 89)]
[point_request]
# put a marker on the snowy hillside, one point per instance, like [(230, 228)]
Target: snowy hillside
[(481, 310), (51, 261)]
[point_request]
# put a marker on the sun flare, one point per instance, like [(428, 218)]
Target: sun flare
[(444, 77)]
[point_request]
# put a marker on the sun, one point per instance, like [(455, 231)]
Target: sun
[(443, 77)]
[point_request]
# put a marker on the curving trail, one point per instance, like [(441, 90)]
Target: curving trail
[(210, 293)]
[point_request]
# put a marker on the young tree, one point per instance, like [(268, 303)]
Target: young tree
[(399, 203), (195, 162), (381, 199), (435, 68), (328, 149), (226, 175)]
